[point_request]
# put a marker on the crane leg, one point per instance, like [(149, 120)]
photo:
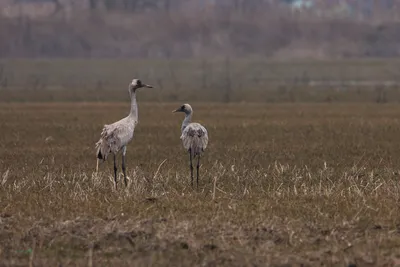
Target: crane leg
[(123, 165), (115, 170), (97, 166), (198, 167), (191, 167)]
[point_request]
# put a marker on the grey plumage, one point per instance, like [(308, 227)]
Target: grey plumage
[(194, 138), (115, 137)]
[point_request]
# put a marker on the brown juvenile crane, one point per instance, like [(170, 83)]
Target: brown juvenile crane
[(194, 137), (115, 137)]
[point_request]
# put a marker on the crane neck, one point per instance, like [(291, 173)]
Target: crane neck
[(134, 114), (187, 120)]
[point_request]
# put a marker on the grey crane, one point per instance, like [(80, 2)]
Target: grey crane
[(194, 137), (115, 137)]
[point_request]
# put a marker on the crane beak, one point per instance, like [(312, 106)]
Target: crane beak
[(147, 86), (177, 110)]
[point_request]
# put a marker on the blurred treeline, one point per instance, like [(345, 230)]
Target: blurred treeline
[(277, 29)]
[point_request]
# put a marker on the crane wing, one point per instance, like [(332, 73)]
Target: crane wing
[(109, 142), (195, 137)]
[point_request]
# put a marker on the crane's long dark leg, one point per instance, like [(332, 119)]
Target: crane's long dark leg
[(191, 166), (115, 170), (198, 166), (123, 165)]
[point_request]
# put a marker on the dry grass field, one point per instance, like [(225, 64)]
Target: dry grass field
[(281, 185)]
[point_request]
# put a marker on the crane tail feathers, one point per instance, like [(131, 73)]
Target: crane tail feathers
[(195, 138), (195, 145), (102, 150), (99, 155)]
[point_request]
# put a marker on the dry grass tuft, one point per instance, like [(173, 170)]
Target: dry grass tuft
[(281, 184)]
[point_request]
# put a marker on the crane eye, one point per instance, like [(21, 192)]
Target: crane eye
[(183, 107)]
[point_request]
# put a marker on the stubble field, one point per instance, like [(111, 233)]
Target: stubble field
[(281, 185)]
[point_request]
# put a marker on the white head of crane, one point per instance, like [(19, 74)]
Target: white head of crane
[(136, 84)]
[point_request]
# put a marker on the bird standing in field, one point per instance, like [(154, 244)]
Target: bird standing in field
[(194, 137), (115, 137)]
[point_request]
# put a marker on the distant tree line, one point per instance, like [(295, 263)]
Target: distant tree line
[(186, 29)]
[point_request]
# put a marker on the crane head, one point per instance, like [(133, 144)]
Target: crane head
[(136, 84), (186, 108)]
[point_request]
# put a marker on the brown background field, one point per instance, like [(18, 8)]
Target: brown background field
[(281, 183)]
